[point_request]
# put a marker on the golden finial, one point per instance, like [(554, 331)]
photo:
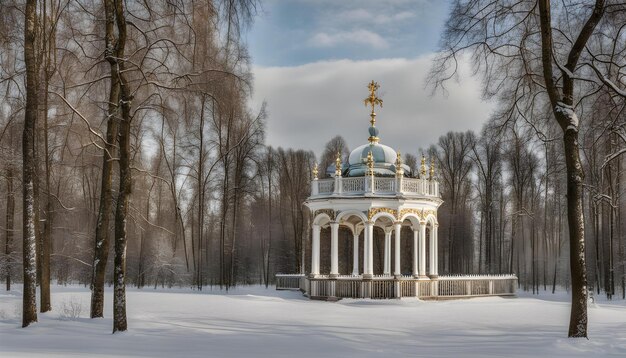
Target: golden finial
[(373, 100), (432, 168), (338, 165), (399, 170), (315, 171), (423, 167), (370, 163)]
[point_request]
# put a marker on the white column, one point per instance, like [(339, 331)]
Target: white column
[(415, 251), (436, 235), (398, 228), (334, 252), (422, 250), (355, 254), (369, 255), (433, 251), (315, 250), (387, 254), (365, 248)]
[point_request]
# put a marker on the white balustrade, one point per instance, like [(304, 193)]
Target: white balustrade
[(411, 186), (325, 186), (289, 281), (385, 185), (353, 185), (384, 286), (381, 186)]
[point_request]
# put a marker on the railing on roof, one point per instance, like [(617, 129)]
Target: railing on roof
[(370, 185)]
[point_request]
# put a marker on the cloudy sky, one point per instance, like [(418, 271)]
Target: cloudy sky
[(313, 60)]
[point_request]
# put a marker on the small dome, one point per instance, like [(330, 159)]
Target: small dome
[(380, 152)]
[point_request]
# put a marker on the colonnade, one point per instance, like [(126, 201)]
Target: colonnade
[(419, 250)]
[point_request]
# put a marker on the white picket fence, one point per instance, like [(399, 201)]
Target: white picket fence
[(381, 287)]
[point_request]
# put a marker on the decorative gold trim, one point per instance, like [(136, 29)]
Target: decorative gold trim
[(373, 211), (425, 213), (330, 212), (420, 213), (409, 211)]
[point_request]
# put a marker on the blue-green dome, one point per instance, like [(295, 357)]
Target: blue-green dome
[(380, 152), (384, 161)]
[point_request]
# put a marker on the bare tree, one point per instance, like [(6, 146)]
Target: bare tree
[(487, 157), (526, 69), (336, 145), (454, 165), (101, 249), (123, 199), (411, 161)]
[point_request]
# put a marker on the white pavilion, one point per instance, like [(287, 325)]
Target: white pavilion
[(374, 189)]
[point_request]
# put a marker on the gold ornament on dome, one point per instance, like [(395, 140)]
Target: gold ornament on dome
[(373, 101), (399, 170), (338, 165), (432, 168), (370, 163), (423, 167), (315, 172)]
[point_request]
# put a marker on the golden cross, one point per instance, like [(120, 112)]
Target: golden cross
[(372, 100)]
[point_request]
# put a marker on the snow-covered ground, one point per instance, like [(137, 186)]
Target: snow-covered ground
[(255, 322)]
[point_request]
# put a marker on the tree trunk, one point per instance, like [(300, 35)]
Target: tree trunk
[(101, 249), (563, 111), (578, 315), (10, 214), (123, 199), (49, 46), (29, 309), (269, 217)]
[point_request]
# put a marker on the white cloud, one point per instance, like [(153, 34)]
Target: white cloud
[(311, 103), (365, 17), (355, 15), (360, 37), (404, 15)]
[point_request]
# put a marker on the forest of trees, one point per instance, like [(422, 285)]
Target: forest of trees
[(126, 126)]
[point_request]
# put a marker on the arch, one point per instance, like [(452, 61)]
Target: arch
[(381, 215), (322, 219), (431, 220), (413, 218), (348, 213)]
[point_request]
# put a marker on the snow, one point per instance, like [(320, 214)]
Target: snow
[(255, 322), (568, 111)]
